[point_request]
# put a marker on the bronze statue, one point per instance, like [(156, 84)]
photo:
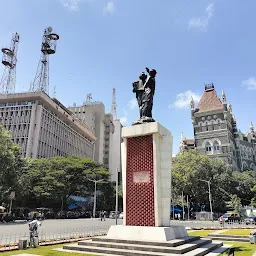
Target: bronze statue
[(145, 90)]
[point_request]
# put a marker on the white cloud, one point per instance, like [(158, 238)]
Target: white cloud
[(123, 120), (132, 104), (250, 83), (202, 22), (183, 99), (72, 5), (110, 7)]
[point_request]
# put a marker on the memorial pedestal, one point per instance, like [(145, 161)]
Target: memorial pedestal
[(146, 173)]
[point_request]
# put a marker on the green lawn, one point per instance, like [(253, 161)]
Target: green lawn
[(44, 250), (241, 232), (200, 232), (242, 249)]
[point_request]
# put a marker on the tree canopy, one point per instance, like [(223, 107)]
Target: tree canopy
[(190, 171), (11, 165), (57, 178)]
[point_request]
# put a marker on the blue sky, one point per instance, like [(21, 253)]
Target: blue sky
[(106, 44)]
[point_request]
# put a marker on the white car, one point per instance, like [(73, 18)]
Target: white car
[(121, 215)]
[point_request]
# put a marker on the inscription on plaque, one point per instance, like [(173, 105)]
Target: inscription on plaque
[(141, 177)]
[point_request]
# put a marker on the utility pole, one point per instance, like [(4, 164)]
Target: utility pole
[(210, 195), (116, 193), (188, 207), (95, 194), (183, 205)]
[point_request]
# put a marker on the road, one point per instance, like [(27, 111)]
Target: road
[(11, 232)]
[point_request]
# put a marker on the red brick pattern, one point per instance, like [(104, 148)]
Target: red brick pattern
[(140, 195)]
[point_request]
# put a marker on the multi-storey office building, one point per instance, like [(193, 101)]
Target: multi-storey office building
[(43, 127), (107, 131), (92, 114)]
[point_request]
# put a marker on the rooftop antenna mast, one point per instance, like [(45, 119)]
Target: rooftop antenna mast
[(41, 80), (89, 97), (114, 105), (9, 60), (54, 92)]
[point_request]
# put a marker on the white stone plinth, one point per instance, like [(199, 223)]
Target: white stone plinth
[(159, 234), (162, 161)]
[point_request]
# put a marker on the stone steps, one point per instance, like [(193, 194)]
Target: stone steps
[(227, 235), (152, 248), (171, 243), (104, 246), (204, 250), (229, 238), (219, 250)]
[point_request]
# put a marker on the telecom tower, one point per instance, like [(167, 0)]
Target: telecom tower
[(49, 42), (8, 81), (114, 105)]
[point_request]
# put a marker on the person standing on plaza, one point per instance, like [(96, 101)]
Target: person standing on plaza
[(33, 233)]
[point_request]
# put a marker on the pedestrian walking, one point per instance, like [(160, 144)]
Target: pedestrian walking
[(222, 221)]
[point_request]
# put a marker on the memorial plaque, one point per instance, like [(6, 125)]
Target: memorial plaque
[(141, 177)]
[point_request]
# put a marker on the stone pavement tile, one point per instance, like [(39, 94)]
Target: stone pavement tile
[(219, 231)]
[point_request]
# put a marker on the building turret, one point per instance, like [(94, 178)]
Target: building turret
[(251, 128), (192, 103), (192, 106), (230, 108), (224, 99), (182, 142)]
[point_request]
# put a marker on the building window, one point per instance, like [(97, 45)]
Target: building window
[(216, 146), (208, 147)]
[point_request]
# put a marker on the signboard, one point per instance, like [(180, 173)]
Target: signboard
[(141, 177), (12, 195)]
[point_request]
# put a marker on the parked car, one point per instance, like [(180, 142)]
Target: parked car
[(121, 215), (232, 217), (251, 220), (112, 215), (72, 215), (61, 215)]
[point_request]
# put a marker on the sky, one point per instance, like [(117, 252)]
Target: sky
[(105, 44)]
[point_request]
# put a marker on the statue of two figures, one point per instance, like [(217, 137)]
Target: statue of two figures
[(145, 89)]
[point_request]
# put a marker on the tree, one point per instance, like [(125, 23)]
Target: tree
[(11, 164), (234, 203), (189, 168), (55, 179)]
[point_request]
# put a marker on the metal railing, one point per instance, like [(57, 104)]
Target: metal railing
[(10, 242), (200, 224)]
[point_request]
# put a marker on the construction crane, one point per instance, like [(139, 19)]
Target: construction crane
[(9, 60)]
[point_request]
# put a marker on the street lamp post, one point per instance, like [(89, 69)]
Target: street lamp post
[(95, 194), (116, 194), (210, 195)]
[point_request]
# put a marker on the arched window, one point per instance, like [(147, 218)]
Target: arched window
[(244, 166), (216, 146), (208, 147), (252, 166)]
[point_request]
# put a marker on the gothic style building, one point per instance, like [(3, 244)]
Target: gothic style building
[(216, 134)]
